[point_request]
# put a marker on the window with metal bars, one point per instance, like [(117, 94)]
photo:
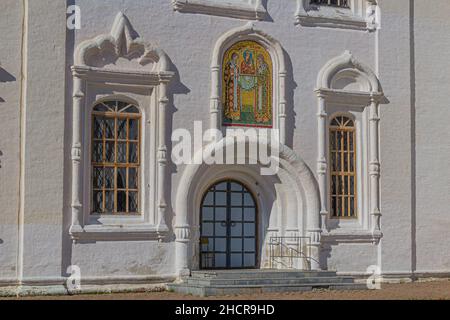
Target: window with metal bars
[(334, 3), (343, 168), (115, 158)]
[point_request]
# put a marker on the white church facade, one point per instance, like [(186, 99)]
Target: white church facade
[(143, 140)]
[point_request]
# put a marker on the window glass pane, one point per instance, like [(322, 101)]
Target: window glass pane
[(221, 198), (249, 260), (98, 178), (132, 109), (209, 199), (208, 214), (133, 202), (248, 200), (236, 187), (249, 229), (221, 186), (236, 260), (134, 129), (109, 152), (221, 229), (122, 152), (121, 201), (220, 260), (249, 245), (207, 229), (97, 155), (236, 244), (133, 153), (236, 229), (221, 214), (132, 178), (220, 245), (98, 202), (121, 178), (101, 108), (122, 105), (236, 214), (98, 128), (109, 201), (236, 199), (122, 128), (249, 214), (109, 177), (109, 128)]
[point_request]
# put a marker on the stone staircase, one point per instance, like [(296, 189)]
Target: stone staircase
[(232, 282)]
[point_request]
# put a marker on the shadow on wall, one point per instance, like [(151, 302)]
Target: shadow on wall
[(291, 85), (5, 76), (175, 87), (267, 17), (1, 154)]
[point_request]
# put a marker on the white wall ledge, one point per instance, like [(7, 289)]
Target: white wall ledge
[(118, 233), (241, 9), (352, 236)]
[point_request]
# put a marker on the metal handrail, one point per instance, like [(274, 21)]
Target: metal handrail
[(285, 251)]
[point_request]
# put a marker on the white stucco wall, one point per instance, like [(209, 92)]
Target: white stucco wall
[(10, 82), (415, 177), (432, 176)]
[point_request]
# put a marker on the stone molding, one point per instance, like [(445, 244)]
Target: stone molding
[(250, 32), (361, 15), (95, 63), (241, 9), (365, 94)]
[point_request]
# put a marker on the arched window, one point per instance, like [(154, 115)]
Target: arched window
[(247, 86), (115, 158), (343, 168)]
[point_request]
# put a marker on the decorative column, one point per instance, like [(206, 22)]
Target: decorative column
[(314, 248), (162, 159), (215, 97), (282, 107), (76, 153), (182, 246), (374, 165), (322, 164)]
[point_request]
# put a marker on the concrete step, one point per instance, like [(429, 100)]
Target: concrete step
[(260, 274), (270, 281), (257, 289)]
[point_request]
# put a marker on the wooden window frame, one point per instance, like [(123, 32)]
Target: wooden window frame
[(347, 126), (116, 115)]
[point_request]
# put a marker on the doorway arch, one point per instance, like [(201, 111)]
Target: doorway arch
[(228, 227)]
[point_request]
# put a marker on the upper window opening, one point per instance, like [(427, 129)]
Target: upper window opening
[(247, 86), (334, 3), (343, 167), (115, 158)]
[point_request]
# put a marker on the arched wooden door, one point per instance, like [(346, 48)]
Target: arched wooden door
[(228, 229)]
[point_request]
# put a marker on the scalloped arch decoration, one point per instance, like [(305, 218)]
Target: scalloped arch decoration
[(121, 46)]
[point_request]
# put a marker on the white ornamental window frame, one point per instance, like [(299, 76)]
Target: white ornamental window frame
[(240, 9), (348, 87), (360, 15), (91, 82)]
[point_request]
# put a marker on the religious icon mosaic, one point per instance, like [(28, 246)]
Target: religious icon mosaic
[(247, 86)]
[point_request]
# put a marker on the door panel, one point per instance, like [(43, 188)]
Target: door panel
[(228, 227)]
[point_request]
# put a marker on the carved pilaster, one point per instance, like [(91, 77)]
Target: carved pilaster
[(282, 107), (76, 153), (162, 159), (374, 165), (322, 164)]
